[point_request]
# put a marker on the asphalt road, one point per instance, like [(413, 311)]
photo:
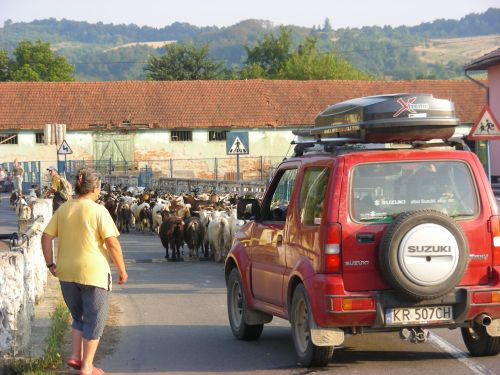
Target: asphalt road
[(170, 318)]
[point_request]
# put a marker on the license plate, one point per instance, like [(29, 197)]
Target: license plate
[(418, 315)]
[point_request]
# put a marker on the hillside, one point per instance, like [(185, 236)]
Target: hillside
[(458, 50), (116, 52)]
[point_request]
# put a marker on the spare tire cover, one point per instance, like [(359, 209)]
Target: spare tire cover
[(423, 254)]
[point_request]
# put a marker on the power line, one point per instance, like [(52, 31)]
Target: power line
[(357, 50)]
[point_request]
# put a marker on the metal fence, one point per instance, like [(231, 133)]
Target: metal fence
[(175, 175)]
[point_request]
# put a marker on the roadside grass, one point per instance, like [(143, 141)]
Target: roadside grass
[(52, 358)]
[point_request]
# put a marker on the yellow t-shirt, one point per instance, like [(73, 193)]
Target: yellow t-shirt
[(81, 227)]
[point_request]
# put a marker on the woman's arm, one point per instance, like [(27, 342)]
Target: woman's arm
[(48, 253), (115, 250)]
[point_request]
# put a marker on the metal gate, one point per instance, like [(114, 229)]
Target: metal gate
[(113, 147)]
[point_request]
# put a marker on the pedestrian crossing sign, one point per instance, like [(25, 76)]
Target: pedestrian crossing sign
[(486, 127), (237, 143)]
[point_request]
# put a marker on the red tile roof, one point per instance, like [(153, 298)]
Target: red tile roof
[(204, 104)]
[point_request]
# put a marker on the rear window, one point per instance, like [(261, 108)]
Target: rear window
[(381, 191)]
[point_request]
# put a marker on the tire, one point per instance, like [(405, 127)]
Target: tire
[(236, 306), (409, 269), (309, 354), (484, 345)]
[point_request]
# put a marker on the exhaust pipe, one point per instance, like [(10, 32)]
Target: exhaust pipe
[(483, 319)]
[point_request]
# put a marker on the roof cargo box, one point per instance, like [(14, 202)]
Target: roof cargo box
[(386, 118)]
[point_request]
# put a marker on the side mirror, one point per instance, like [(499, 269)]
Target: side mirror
[(248, 209)]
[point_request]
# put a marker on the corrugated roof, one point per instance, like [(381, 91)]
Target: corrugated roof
[(484, 62), (204, 104)]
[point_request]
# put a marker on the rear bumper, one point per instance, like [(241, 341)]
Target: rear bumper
[(329, 295)]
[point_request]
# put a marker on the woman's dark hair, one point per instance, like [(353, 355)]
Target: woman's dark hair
[(87, 179)]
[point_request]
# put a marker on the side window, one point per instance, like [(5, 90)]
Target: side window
[(312, 195), (278, 205)]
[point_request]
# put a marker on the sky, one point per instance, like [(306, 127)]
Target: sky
[(160, 13)]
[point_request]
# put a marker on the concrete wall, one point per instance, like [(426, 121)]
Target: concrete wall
[(151, 144), (157, 145), (494, 83), (23, 276)]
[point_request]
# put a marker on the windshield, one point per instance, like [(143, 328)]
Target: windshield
[(381, 191)]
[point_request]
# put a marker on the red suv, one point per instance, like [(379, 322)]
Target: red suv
[(373, 225)]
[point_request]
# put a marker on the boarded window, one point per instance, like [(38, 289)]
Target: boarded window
[(217, 135), (181, 135), (39, 138), (8, 139)]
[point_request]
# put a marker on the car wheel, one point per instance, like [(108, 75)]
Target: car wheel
[(236, 307), (481, 344), (310, 355), (423, 254)]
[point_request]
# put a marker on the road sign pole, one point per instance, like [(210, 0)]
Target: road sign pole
[(488, 159), (238, 167)]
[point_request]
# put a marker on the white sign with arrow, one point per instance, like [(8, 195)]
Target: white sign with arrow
[(64, 149)]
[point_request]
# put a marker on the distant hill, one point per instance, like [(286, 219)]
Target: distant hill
[(101, 51)]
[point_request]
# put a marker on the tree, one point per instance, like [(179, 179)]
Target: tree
[(4, 66), (183, 62), (37, 62), (327, 26), (270, 54), (308, 63)]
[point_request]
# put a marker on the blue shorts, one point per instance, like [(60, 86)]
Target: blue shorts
[(88, 306)]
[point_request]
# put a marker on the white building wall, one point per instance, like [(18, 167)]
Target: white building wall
[(150, 144)]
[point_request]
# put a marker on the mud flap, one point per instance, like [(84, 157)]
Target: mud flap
[(494, 328), (253, 317), (321, 336)]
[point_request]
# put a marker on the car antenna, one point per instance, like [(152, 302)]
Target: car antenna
[(289, 147)]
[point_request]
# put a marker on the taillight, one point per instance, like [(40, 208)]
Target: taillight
[(332, 248), (495, 235), (486, 297)]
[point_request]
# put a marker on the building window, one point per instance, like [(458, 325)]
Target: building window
[(39, 138), (181, 135), (8, 139), (216, 135)]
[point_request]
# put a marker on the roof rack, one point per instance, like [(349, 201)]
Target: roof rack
[(343, 145)]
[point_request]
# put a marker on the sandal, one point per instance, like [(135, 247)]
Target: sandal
[(95, 371), (75, 363)]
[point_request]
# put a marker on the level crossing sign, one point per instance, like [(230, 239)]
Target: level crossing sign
[(64, 149), (486, 127), (237, 143)]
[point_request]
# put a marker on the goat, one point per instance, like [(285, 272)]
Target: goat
[(194, 235), (219, 235), (124, 217), (172, 235)]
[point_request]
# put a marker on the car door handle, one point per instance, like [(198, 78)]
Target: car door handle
[(365, 237)]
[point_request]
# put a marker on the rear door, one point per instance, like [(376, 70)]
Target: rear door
[(380, 191), (268, 250)]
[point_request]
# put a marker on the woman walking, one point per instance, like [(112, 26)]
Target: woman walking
[(86, 236)]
